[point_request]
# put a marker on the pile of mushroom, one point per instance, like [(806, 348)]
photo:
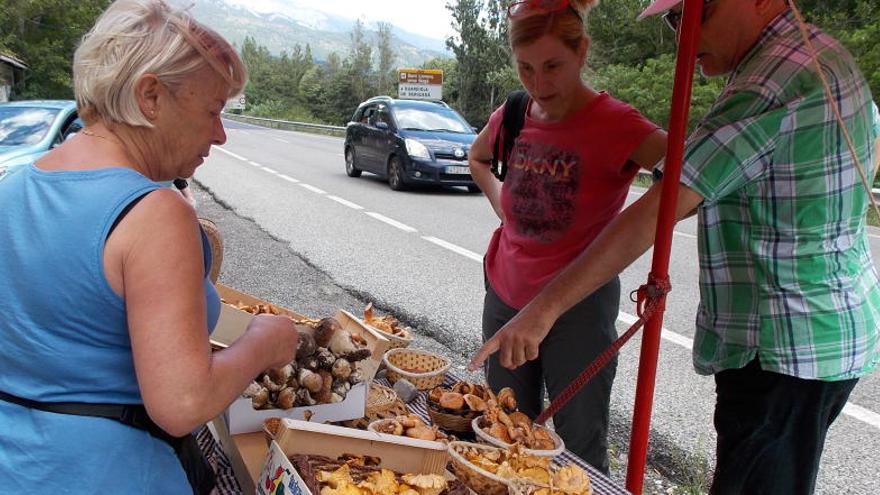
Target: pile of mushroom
[(504, 422), (411, 426), (463, 399), (327, 365)]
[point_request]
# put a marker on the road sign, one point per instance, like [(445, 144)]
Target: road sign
[(236, 103), (420, 84)]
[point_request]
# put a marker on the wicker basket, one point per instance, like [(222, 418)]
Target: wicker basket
[(216, 241), (483, 436), (382, 403), (455, 423), (477, 479), (430, 369)]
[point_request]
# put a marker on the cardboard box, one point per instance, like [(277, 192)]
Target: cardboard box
[(246, 453), (400, 454), (241, 417), (233, 322)]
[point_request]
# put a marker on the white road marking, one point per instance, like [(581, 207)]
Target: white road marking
[(346, 202), (850, 409), (394, 223), (665, 333), (454, 248), (675, 232), (862, 414), (233, 155), (255, 164), (289, 178), (281, 140), (271, 171), (313, 188)]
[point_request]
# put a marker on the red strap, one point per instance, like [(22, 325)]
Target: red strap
[(647, 298)]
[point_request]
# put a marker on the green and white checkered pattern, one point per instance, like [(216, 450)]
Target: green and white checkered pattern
[(785, 267)]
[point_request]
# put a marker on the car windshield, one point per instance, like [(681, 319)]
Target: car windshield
[(431, 119), (24, 125)]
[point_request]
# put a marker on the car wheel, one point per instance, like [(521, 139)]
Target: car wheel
[(474, 189), (395, 174), (350, 169)]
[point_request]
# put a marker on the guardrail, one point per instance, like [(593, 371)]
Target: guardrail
[(331, 130)]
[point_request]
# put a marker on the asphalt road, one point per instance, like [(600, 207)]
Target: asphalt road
[(417, 254)]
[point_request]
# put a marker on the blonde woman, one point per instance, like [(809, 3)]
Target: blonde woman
[(567, 177), (106, 304)]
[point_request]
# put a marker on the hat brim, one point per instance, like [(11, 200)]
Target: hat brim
[(658, 7)]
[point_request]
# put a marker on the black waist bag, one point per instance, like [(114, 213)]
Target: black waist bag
[(198, 471)]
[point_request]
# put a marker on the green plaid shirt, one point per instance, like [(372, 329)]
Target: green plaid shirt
[(786, 272)]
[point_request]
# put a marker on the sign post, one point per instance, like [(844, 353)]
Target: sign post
[(420, 84), (236, 103)]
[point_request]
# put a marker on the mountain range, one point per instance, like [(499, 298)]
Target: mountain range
[(324, 33)]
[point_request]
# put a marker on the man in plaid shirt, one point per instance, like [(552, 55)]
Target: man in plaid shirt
[(790, 297)]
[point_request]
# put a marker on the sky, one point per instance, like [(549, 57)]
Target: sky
[(425, 17)]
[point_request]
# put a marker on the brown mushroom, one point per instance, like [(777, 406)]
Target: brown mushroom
[(435, 393), (507, 399), (452, 400), (325, 331), (520, 419), (474, 403), (286, 398)]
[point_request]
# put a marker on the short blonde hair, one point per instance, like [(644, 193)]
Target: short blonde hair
[(569, 25), (136, 37)]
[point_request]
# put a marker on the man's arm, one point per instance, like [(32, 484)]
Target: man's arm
[(625, 239)]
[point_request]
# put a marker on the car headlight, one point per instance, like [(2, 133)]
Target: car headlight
[(417, 149)]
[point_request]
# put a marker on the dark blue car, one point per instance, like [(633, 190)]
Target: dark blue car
[(409, 142)]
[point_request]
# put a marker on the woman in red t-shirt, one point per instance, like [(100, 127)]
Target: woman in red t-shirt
[(567, 177)]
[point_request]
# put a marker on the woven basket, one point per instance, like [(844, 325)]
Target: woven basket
[(520, 486), (425, 370), (382, 403), (216, 241), (485, 437), (455, 423), (477, 479)]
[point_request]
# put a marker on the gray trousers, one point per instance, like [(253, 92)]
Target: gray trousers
[(576, 339)]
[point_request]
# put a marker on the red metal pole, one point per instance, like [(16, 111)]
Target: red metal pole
[(689, 32)]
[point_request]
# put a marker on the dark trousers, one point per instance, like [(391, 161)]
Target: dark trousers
[(575, 340), (771, 430)]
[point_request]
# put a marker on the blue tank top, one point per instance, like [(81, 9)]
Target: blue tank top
[(65, 337)]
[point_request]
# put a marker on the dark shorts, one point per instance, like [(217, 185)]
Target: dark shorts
[(771, 430), (576, 339)]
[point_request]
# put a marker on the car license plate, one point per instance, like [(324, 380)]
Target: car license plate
[(458, 170)]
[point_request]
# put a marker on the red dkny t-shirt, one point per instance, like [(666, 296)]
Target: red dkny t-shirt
[(566, 180)]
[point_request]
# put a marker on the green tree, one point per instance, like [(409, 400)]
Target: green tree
[(44, 34), (479, 48), (360, 63), (385, 72)]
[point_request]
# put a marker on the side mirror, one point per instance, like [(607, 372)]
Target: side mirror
[(382, 125)]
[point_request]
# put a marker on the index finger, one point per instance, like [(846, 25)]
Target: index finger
[(490, 347)]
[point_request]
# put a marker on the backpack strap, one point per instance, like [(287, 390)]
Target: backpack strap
[(512, 122)]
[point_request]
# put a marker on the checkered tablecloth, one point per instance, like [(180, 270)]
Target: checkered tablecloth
[(228, 485)]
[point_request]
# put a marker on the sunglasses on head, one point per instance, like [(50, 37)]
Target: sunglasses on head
[(527, 8), (673, 17)]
